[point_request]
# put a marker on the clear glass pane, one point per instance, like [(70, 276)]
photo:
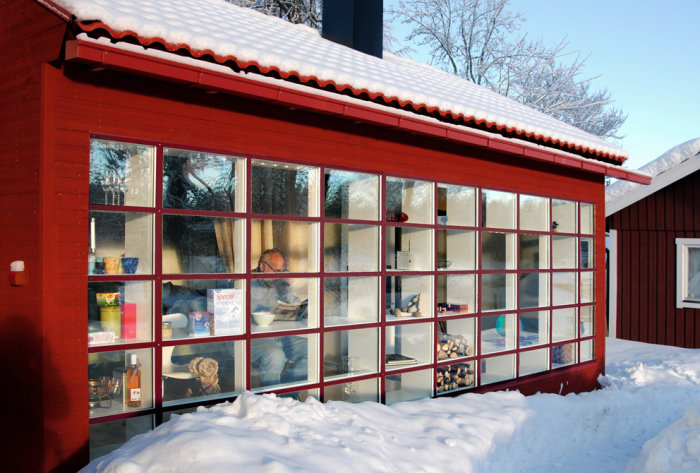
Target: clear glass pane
[(497, 209), (587, 321), (203, 371), (283, 304), (120, 243), (202, 308), (587, 252), (409, 249), (350, 301), (587, 287), (456, 294), (111, 391), (121, 173), (408, 200), (456, 205), (534, 290), (563, 252), (454, 377), (497, 368), (587, 352), (497, 291), (564, 216), (298, 242), (693, 273), (498, 333), (409, 296), (351, 247), (534, 213), (534, 328), (456, 250), (563, 355), (351, 195), (455, 339), (534, 251), (587, 219), (105, 437), (534, 361), (497, 250), (408, 386), (408, 345), (119, 312), (284, 189), (194, 244), (564, 289), (353, 391), (202, 181), (281, 360), (564, 324), (348, 353)]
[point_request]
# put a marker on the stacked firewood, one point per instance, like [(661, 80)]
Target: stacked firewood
[(451, 377), (452, 346)]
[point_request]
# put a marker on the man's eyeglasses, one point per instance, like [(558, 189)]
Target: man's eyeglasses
[(273, 269)]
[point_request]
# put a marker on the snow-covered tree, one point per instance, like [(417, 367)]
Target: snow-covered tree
[(307, 12), (480, 41)]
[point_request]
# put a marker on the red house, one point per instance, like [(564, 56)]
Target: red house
[(432, 238), (655, 251)]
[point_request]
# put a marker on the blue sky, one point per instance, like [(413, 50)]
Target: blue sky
[(646, 53)]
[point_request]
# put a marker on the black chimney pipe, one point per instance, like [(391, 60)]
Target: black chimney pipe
[(355, 23)]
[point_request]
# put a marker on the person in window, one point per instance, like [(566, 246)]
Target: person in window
[(278, 359)]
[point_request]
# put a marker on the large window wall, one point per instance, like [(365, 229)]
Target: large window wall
[(224, 273)]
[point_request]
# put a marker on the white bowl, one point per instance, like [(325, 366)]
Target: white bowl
[(263, 319)]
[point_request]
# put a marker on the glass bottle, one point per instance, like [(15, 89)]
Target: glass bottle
[(133, 383)]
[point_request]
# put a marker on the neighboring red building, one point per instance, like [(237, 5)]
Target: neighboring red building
[(438, 238), (655, 252)]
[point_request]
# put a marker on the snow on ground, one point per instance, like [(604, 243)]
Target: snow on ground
[(645, 419)]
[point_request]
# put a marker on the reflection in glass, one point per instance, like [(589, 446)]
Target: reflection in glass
[(350, 352), (564, 288), (351, 195), (497, 209), (350, 300), (283, 360), (498, 333), (497, 291), (534, 213), (409, 248), (284, 189), (352, 391), (534, 290), (121, 173), (118, 235), (587, 252), (534, 251), (106, 437), (534, 361), (409, 200), (564, 326), (456, 250), (587, 219), (408, 386), (407, 345), (563, 252), (497, 368), (534, 328), (456, 205), (456, 294), (408, 296), (298, 241), (587, 320), (351, 247), (564, 216), (497, 250), (119, 312), (563, 355)]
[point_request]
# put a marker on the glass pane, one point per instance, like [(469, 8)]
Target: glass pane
[(408, 344), (120, 243), (534, 251), (534, 361), (408, 200), (587, 321), (534, 290), (534, 328), (587, 287), (456, 294), (564, 326), (456, 205), (563, 355), (587, 252), (497, 209), (408, 386), (353, 391), (121, 173), (202, 181), (497, 368), (409, 249), (349, 353), (497, 250), (454, 377), (351, 195), (297, 241), (202, 308), (587, 219), (283, 360), (564, 288), (111, 391), (534, 213), (497, 291), (455, 338), (350, 301), (119, 312), (283, 304), (456, 250), (284, 189), (498, 333), (587, 352), (203, 371), (351, 247), (563, 216), (693, 273), (193, 244), (106, 437), (563, 252), (409, 296)]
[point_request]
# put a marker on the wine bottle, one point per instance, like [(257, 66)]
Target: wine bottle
[(133, 383)]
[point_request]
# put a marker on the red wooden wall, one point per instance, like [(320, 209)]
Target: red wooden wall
[(646, 265)]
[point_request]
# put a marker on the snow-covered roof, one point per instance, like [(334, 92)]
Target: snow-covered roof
[(673, 165), (214, 30)]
